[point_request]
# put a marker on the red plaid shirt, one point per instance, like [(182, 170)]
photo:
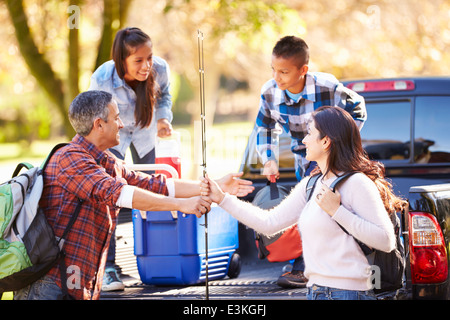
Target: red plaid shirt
[(81, 171)]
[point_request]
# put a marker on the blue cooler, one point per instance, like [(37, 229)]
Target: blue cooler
[(170, 246)]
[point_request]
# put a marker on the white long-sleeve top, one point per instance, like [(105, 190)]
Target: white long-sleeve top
[(332, 257)]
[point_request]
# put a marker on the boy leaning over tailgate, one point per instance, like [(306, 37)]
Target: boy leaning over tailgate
[(288, 99)]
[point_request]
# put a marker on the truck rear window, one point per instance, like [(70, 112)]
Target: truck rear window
[(431, 130), (386, 133)]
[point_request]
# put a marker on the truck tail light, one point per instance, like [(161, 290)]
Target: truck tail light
[(428, 256)]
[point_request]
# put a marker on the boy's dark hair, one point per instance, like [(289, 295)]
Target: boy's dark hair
[(292, 47)]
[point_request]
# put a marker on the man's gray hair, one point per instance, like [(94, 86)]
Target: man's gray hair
[(86, 107)]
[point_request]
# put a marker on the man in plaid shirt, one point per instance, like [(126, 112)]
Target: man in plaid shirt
[(288, 100), (86, 170)]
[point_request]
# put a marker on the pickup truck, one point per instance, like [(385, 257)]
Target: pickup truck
[(407, 130), (399, 111)]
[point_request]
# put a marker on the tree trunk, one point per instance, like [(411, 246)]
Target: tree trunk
[(36, 62), (114, 15)]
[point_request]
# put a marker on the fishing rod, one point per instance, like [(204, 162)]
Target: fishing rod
[(201, 72)]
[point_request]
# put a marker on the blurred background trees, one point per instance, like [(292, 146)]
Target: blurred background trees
[(50, 50), (36, 27)]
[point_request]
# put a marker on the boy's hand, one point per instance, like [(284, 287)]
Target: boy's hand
[(271, 171)]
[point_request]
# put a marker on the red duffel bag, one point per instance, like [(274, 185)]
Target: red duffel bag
[(284, 246)]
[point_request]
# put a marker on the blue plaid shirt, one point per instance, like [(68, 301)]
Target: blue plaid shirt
[(106, 78), (321, 89)]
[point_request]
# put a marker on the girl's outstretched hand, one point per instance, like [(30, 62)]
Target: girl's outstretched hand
[(211, 189)]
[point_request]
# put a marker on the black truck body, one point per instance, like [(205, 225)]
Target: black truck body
[(400, 111)]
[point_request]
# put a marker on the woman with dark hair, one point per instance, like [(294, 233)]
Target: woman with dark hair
[(336, 267), (139, 82)]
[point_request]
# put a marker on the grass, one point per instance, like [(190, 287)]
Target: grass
[(11, 154), (19, 151)]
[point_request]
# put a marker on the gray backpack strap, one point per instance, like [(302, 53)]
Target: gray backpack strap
[(340, 179), (311, 185)]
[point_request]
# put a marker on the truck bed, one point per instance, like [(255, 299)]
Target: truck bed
[(257, 279)]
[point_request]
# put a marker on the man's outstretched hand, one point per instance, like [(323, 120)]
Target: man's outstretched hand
[(233, 185)]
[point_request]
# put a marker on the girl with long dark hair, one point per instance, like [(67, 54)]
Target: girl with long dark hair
[(336, 267), (139, 82)]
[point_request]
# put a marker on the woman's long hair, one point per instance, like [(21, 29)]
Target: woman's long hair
[(346, 153), (126, 42)]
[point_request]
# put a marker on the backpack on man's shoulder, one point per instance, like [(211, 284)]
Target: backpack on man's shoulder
[(391, 264), (28, 246)]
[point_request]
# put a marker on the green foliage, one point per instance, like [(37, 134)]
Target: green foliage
[(181, 95), (244, 17), (25, 118)]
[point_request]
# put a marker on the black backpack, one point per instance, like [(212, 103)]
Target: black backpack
[(391, 264)]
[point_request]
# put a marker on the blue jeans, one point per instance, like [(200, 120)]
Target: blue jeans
[(316, 292), (43, 289), (299, 264)]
